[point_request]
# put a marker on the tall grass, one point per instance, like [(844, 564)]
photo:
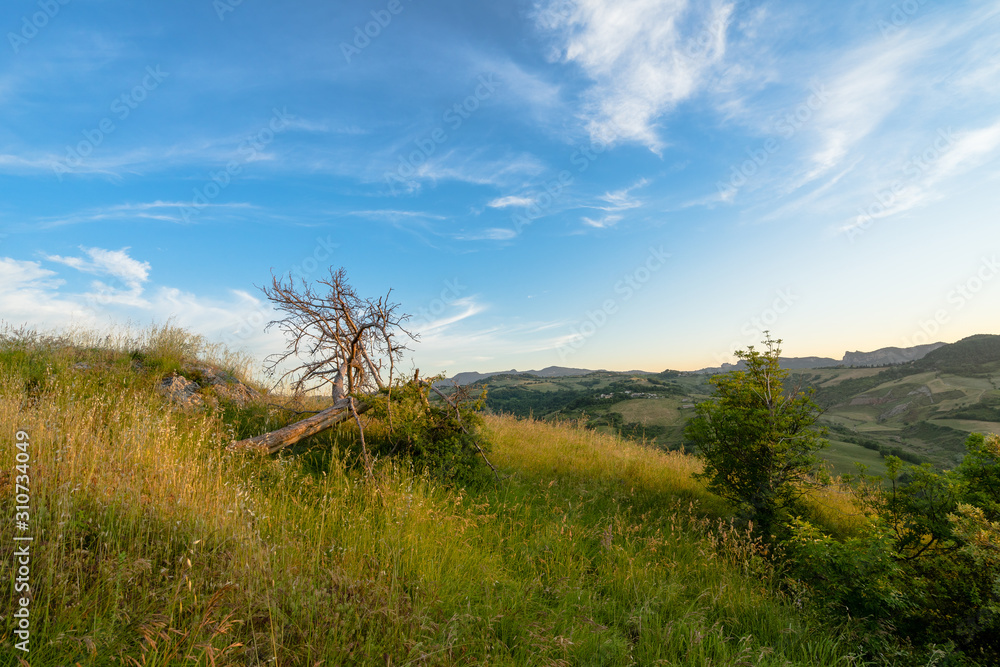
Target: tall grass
[(155, 547)]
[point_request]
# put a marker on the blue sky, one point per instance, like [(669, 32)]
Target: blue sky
[(626, 185)]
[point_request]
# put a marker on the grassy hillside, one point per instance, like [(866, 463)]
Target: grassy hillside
[(153, 546)]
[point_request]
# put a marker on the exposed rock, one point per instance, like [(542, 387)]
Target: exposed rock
[(182, 391), (201, 384), (895, 412), (224, 385)]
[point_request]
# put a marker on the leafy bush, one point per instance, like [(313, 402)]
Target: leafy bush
[(858, 576), (930, 563), (440, 435), (758, 440)]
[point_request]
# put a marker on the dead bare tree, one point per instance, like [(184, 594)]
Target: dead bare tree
[(350, 346), (336, 339)]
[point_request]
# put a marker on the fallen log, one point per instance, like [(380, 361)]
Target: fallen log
[(274, 441)]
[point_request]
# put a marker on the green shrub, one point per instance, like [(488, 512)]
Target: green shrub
[(858, 576), (438, 435)]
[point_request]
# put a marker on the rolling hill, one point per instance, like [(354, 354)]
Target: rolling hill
[(920, 410)]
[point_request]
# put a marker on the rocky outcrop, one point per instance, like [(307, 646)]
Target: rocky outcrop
[(178, 389), (199, 384), (895, 412)]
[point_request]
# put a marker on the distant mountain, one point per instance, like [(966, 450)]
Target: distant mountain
[(469, 377), (968, 353), (789, 363), (888, 356)]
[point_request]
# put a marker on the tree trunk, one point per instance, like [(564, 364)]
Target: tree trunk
[(289, 435)]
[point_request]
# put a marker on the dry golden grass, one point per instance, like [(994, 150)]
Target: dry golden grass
[(155, 547)]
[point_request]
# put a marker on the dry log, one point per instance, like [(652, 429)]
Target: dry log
[(289, 435)]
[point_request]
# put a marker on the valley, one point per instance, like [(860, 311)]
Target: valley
[(920, 410)]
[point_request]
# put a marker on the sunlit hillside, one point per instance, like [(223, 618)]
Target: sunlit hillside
[(153, 546)]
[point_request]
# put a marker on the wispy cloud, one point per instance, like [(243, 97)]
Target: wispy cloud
[(466, 307), (163, 211), (511, 200), (601, 223), (860, 98), (621, 200), (395, 215), (642, 59), (477, 168), (491, 234), (954, 158), (114, 263), (613, 203)]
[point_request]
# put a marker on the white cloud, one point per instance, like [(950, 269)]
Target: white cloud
[(114, 263), (613, 202), (858, 100), (511, 200), (491, 234), (606, 221), (621, 200), (34, 296), (467, 307), (954, 155), (29, 295), (641, 56), (18, 275), (395, 215)]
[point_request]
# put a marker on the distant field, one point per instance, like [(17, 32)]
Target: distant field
[(829, 377), (969, 425), (843, 455), (916, 413), (662, 411)]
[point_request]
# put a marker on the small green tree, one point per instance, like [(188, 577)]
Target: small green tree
[(757, 440)]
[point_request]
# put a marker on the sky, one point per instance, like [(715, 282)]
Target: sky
[(637, 184)]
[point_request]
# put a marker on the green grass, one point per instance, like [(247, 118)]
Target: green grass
[(661, 411), (156, 547), (842, 457), (969, 425)]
